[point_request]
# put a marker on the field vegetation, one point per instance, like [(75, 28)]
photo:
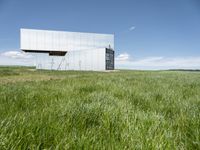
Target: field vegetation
[(99, 110)]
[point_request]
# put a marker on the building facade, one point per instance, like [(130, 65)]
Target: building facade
[(58, 50)]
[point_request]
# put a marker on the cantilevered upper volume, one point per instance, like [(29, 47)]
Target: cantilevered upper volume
[(61, 50), (46, 40)]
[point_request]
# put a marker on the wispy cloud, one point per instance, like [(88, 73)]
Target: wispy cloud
[(132, 28), (159, 63)]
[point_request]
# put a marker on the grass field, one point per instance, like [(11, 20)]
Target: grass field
[(99, 110)]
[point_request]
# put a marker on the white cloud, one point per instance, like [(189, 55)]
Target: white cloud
[(16, 58), (156, 63), (16, 55), (132, 28), (123, 57)]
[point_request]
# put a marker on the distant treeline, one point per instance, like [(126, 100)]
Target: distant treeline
[(195, 70)]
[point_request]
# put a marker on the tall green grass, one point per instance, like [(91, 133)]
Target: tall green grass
[(98, 110)]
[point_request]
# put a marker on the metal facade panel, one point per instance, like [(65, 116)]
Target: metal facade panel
[(73, 60), (63, 41)]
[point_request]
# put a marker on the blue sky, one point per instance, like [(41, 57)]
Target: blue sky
[(149, 34)]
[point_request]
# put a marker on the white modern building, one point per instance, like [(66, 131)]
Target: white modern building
[(58, 50)]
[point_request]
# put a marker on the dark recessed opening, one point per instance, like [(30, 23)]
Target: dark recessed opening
[(51, 53), (57, 53)]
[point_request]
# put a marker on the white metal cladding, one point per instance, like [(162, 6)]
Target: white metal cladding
[(74, 60), (45, 40)]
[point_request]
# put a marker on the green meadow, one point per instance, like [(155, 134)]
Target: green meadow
[(99, 110)]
